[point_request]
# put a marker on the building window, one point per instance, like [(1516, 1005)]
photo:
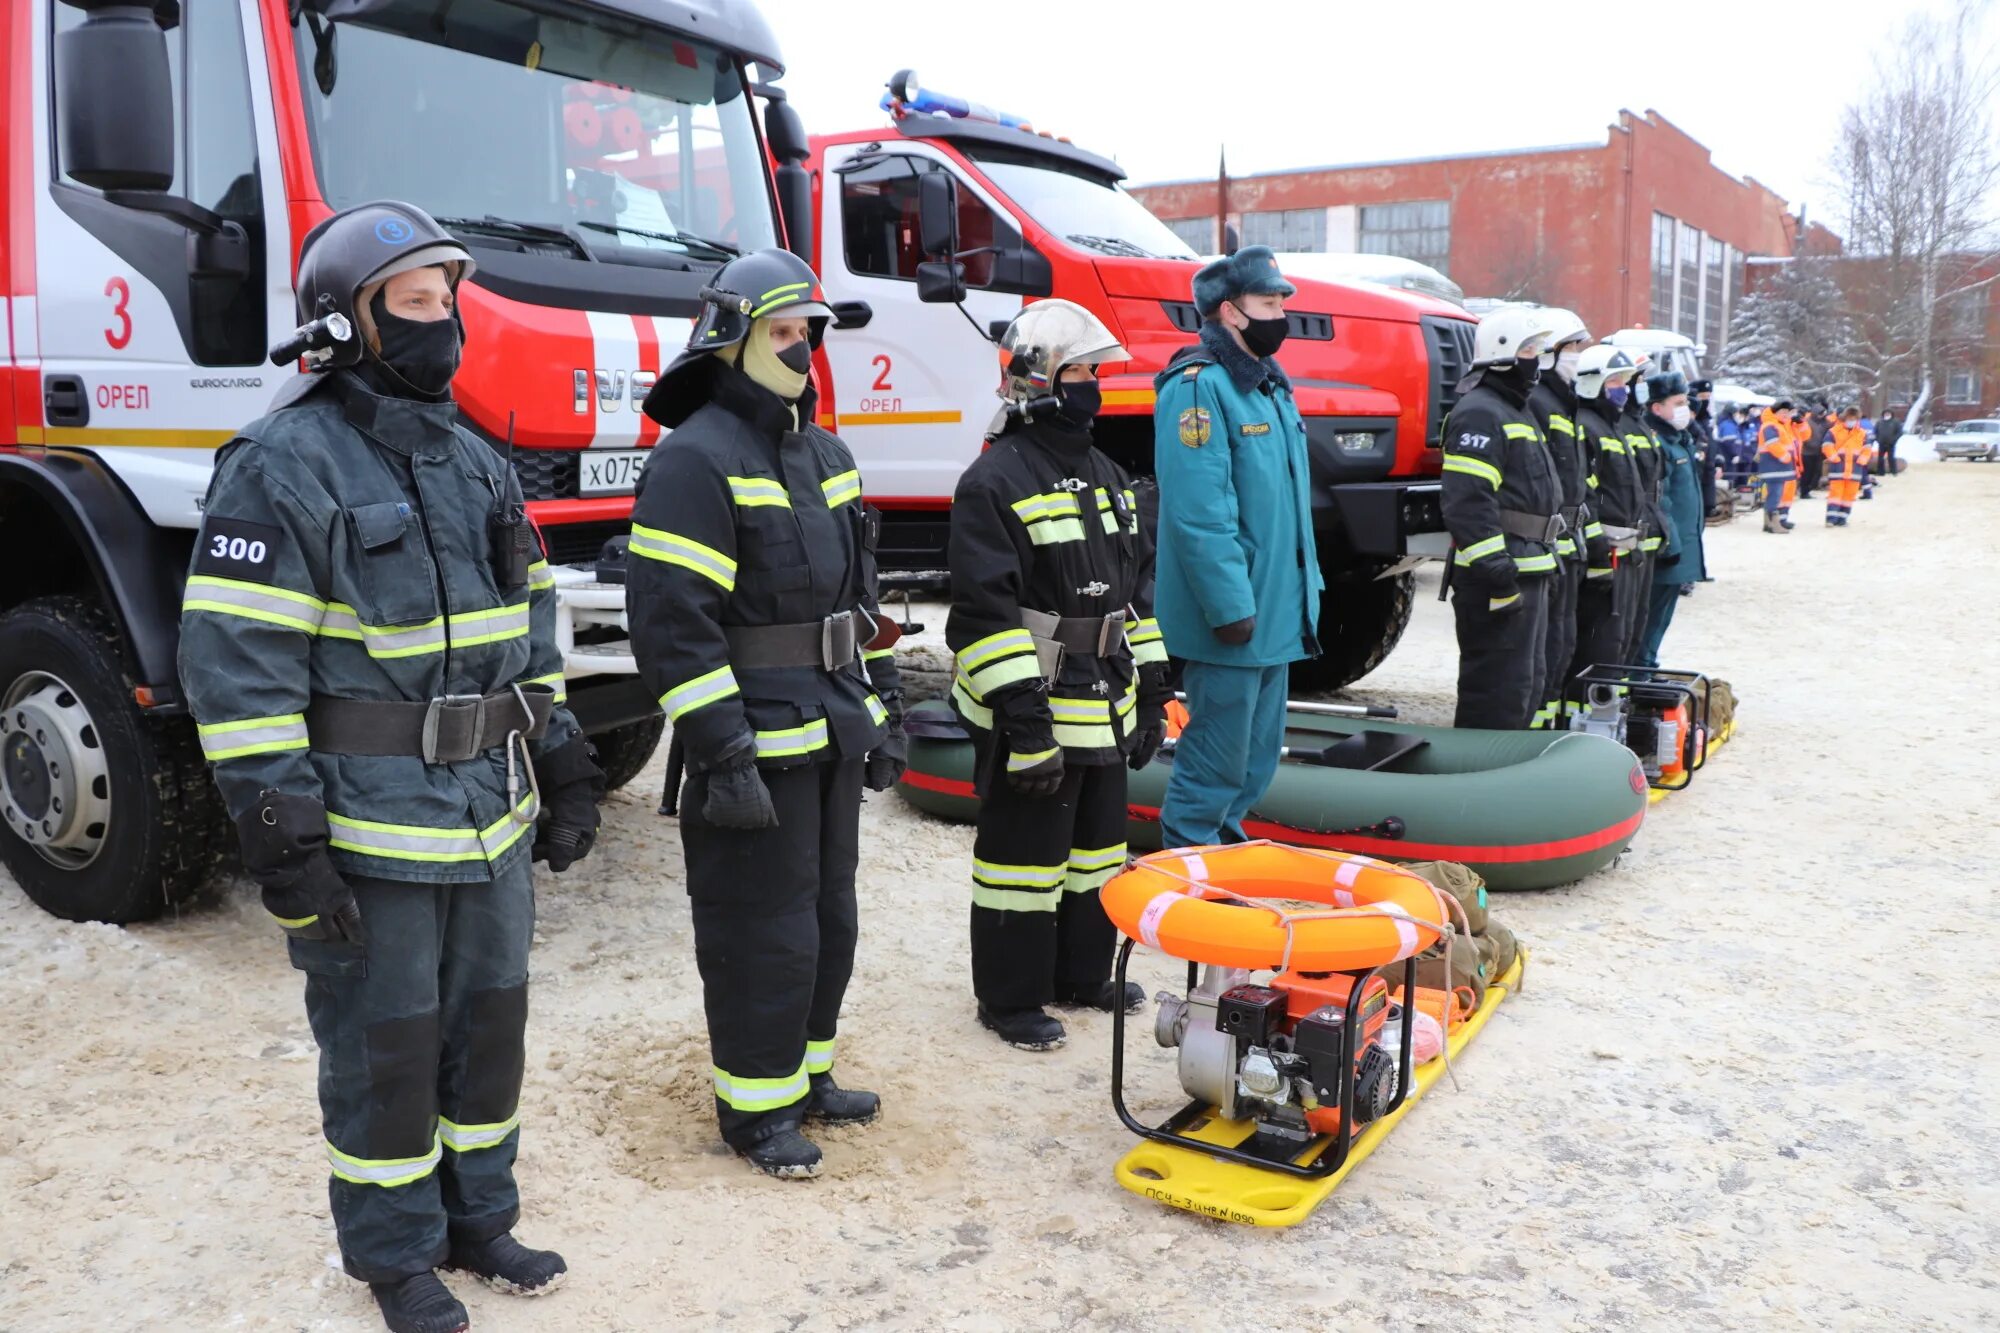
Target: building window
[(878, 219), (1961, 388), (1419, 231), (1966, 315), (1714, 317), (1687, 280), (1294, 229), (1197, 233), (1663, 271)]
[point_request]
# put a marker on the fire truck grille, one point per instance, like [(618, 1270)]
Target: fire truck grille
[(546, 474), (579, 543), (1450, 344)]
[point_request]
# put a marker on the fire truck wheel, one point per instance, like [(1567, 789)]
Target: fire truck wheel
[(1360, 621), (622, 752), (105, 814)]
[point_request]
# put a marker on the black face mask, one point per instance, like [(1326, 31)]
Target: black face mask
[(423, 354), (1523, 375), (1080, 400), (797, 358), (1265, 336)]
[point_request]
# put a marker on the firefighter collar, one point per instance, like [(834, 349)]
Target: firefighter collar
[(1246, 372), (750, 402), (400, 424)]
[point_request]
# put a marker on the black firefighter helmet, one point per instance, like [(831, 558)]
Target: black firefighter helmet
[(359, 247), (761, 284)]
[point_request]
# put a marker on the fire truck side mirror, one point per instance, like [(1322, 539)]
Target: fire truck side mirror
[(937, 214), (116, 98), (941, 281)]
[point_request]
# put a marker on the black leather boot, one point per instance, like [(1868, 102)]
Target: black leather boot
[(840, 1106), (506, 1265), (420, 1304), (1024, 1029), (784, 1153), (1102, 997)]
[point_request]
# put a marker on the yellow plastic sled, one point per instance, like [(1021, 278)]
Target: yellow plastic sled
[(1184, 1178), (1658, 794)]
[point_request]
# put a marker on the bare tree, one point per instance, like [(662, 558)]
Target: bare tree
[(1918, 167)]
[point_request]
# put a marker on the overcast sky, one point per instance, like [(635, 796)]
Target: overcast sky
[(1292, 83)]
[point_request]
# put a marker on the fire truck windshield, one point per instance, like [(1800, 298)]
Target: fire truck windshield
[(1086, 211), (538, 126)]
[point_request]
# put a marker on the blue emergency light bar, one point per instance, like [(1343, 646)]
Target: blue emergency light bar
[(906, 96)]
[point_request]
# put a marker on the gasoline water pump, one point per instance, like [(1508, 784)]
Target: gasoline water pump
[(1660, 715)]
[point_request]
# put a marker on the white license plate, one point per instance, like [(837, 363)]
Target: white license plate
[(611, 471)]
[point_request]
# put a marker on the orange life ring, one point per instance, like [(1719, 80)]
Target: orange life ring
[(1210, 905)]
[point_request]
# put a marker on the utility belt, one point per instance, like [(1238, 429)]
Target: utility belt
[(1622, 539), (1572, 517), (1532, 527), (826, 645), (447, 730), (1092, 636)]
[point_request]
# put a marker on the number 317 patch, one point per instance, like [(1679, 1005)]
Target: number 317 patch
[(233, 548)]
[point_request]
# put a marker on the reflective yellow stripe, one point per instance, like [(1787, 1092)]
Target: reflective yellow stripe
[(1564, 546), (785, 295), (819, 1057), (1055, 504), (969, 708), (387, 1172), (540, 577), (993, 646), (554, 680), (1479, 550), (712, 687), (1050, 532), (1639, 441), (760, 1094), (672, 549), (876, 711), (877, 654), (1010, 888), (253, 601), (1016, 762), (1093, 868), (1611, 445), (1593, 529), (1515, 430), (789, 741), (252, 735), (999, 660), (750, 492), (1557, 421), (1534, 564), (1014, 900), (417, 842), (470, 1138), (1473, 467), (1495, 603), (842, 488), (295, 923), (1651, 544)]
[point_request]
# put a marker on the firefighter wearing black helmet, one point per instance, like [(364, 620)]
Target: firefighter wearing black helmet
[(367, 646), (750, 594)]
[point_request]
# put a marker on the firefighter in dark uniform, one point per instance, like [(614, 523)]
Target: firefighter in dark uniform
[(367, 645), (1582, 544), (1060, 676), (1609, 600), (1502, 506), (1649, 461), (750, 596)]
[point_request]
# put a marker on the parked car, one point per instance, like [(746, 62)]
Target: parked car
[(1978, 439)]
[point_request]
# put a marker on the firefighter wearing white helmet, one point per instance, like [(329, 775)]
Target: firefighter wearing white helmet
[(1502, 505), (1583, 543), (1606, 604), (1061, 676)]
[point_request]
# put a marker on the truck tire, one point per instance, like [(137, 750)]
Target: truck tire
[(106, 814), (1361, 620), (623, 752)]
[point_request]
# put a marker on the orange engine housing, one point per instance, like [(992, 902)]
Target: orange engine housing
[(1309, 991)]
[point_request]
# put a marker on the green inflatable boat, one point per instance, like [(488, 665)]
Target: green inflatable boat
[(1526, 809)]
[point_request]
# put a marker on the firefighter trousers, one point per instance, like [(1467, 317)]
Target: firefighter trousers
[(1038, 931), (1500, 656), (1560, 641), (1600, 630), (774, 930), (1227, 754), (420, 1059)]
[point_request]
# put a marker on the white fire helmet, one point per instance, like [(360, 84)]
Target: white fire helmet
[(1600, 363), (1569, 328), (1506, 335)]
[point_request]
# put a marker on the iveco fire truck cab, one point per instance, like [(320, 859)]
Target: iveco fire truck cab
[(934, 231), (163, 161)]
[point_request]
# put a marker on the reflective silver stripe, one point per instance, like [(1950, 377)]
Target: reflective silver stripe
[(256, 735), (554, 680), (539, 576), (706, 689), (876, 710), (760, 1094), (467, 1138), (842, 488), (253, 601), (415, 842), (1049, 532), (673, 549), (469, 628), (750, 492), (792, 740), (389, 1171), (819, 1057), (1024, 877)]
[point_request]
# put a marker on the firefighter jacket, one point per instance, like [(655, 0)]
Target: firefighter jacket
[(346, 551), (1615, 478), (1554, 403), (1499, 481), (1680, 559), (1645, 448), (1847, 453), (1236, 515), (746, 519), (1042, 521)]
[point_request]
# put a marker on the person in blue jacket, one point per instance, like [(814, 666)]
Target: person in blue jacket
[(1238, 575), (1680, 563)]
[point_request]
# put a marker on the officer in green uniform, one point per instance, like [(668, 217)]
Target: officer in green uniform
[(368, 647), (1239, 580)]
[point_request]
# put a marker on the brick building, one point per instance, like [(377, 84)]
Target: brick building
[(1642, 229)]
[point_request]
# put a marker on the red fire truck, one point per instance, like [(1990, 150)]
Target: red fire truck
[(162, 162), (935, 229)]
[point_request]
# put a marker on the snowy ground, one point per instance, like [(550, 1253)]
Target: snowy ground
[(1749, 1084)]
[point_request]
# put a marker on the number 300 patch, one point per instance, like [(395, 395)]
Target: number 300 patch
[(234, 548)]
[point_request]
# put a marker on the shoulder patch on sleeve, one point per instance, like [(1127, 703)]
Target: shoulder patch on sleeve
[(1195, 427), (235, 548)]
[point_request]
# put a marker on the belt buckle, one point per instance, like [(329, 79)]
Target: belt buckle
[(1557, 527), (1109, 630), (452, 724), (830, 658)]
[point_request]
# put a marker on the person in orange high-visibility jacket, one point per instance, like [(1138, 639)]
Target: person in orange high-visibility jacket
[(1847, 458), (1776, 468)]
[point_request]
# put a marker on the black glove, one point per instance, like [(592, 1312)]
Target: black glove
[(737, 797), (887, 761), (571, 785), (1506, 604), (1146, 743), (1236, 632), (1034, 762), (284, 850), (1150, 726)]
